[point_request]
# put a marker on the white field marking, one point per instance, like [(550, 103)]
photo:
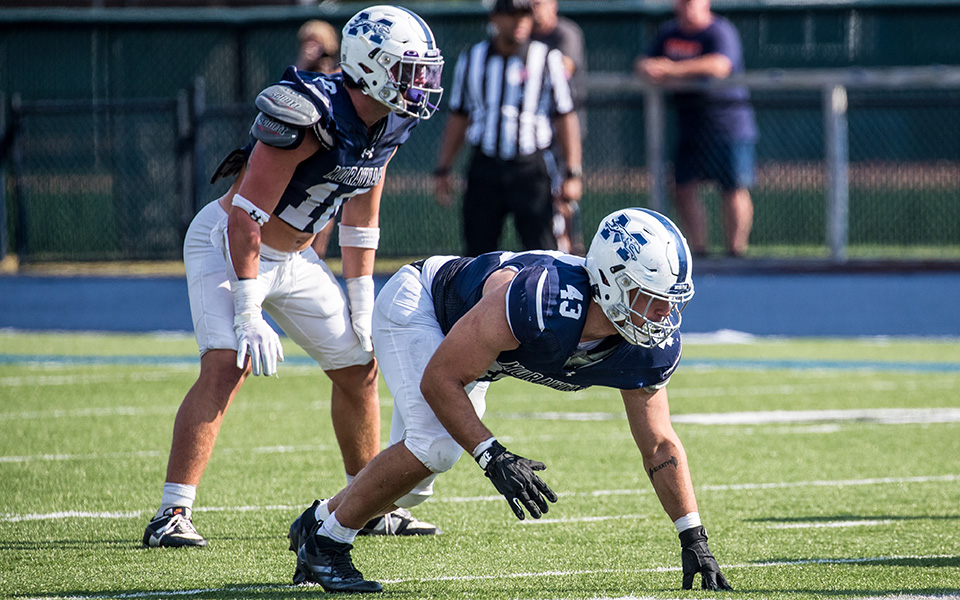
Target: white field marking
[(60, 457), (883, 416), (541, 574), (736, 487), (830, 524), (88, 378), (838, 382), (10, 517), (543, 521), (156, 453), (76, 413), (71, 514)]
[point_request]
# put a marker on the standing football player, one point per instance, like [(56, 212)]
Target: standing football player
[(320, 142), (446, 327)]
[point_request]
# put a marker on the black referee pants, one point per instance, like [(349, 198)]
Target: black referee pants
[(496, 188)]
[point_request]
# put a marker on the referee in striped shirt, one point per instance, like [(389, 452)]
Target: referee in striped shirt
[(510, 96)]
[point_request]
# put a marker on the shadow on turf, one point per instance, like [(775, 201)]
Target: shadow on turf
[(892, 561), (933, 592)]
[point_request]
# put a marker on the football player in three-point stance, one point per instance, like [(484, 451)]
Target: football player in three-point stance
[(319, 141), (446, 327)]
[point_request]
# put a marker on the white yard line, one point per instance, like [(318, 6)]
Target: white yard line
[(13, 518)]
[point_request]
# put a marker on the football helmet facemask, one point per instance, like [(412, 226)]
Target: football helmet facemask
[(636, 257), (392, 55)]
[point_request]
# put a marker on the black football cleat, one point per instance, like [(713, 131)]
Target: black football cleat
[(303, 526), (327, 562)]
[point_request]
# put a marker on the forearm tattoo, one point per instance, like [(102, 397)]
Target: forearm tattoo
[(672, 461)]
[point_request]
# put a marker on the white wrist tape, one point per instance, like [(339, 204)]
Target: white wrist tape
[(687, 521), (248, 295), (360, 291), (255, 212), (359, 237), (482, 446)]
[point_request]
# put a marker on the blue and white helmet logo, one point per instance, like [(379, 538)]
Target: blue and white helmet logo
[(630, 244), (377, 30)]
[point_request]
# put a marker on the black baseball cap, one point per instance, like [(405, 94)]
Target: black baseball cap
[(509, 7)]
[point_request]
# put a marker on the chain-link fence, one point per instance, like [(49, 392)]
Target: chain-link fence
[(122, 180)]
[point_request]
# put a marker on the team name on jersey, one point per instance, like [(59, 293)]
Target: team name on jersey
[(514, 369), (361, 177)]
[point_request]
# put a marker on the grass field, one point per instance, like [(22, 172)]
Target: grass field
[(823, 468)]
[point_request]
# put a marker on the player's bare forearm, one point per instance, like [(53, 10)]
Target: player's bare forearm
[(361, 211), (664, 459), (670, 475), (465, 354)]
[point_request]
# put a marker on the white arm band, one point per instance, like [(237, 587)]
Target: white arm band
[(255, 212), (687, 521), (482, 446), (359, 237)]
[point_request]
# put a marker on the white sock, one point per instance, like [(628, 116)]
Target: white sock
[(177, 494), (350, 478), (322, 513), (337, 532)]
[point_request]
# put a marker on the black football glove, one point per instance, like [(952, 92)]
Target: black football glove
[(696, 558), (514, 477)]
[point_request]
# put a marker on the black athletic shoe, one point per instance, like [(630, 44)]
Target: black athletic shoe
[(303, 526), (324, 561), (399, 522), (172, 529)]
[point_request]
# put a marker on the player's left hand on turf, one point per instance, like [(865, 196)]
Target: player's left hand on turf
[(696, 558), (514, 477)]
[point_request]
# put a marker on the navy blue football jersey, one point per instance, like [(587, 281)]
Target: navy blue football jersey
[(547, 309), (353, 164)]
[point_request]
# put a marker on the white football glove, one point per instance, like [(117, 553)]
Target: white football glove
[(255, 335), (360, 292)]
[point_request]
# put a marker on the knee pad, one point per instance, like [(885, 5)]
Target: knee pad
[(439, 455)]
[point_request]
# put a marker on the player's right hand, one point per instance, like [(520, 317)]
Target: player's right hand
[(696, 558), (257, 338), (514, 477)]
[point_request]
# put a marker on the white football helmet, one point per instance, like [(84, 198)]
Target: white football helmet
[(392, 55), (639, 249)]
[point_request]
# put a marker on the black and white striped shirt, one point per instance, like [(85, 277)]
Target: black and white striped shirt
[(510, 101)]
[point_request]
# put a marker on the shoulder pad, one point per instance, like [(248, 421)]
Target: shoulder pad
[(274, 132), (288, 106)]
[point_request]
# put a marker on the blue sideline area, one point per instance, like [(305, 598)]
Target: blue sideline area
[(789, 304)]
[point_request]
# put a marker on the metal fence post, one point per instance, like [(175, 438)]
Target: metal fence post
[(185, 177), (4, 145), (655, 124), (838, 165), (198, 114), (16, 162), (191, 105)]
